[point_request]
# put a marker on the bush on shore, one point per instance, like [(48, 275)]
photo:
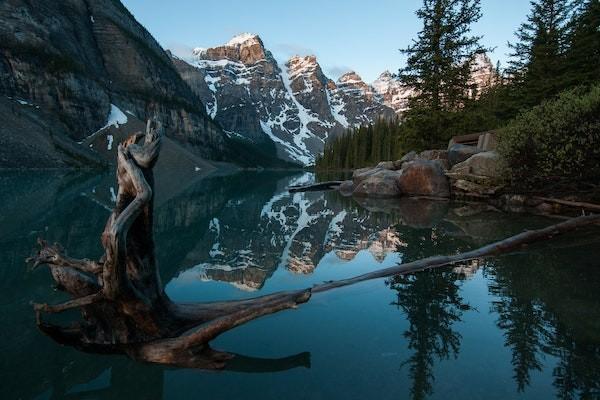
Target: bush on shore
[(555, 142)]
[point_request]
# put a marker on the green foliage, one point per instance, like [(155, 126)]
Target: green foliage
[(439, 61), (558, 140), (538, 64), (362, 146), (584, 51)]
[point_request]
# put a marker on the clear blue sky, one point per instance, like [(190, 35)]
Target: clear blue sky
[(363, 36)]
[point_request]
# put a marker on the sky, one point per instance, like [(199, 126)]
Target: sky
[(362, 36)]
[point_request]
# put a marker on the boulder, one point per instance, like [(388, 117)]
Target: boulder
[(434, 155), (423, 178), (379, 184), (459, 152), (410, 156), (346, 188), (487, 163), (361, 174), (386, 165), (440, 156)]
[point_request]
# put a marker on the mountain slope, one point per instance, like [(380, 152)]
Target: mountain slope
[(74, 59)]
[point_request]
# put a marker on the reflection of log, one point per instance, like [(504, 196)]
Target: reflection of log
[(124, 307), (330, 185), (576, 204)]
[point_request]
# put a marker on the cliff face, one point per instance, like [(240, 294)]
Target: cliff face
[(72, 59)]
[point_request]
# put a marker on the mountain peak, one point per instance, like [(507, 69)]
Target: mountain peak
[(246, 48), (244, 38), (350, 77), (385, 75), (310, 59)]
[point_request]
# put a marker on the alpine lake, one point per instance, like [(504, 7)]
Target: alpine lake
[(520, 326)]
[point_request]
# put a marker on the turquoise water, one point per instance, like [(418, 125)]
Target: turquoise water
[(525, 326)]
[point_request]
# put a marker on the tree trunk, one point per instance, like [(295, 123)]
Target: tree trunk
[(123, 306)]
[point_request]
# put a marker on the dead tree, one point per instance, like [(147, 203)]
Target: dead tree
[(122, 302)]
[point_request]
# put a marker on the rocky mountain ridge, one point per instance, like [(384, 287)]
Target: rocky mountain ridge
[(292, 104)]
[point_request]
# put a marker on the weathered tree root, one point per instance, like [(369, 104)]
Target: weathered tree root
[(123, 305)]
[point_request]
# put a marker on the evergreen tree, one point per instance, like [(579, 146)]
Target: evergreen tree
[(439, 61), (584, 49), (537, 66)]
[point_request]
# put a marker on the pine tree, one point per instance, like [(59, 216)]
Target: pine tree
[(584, 47), (439, 61), (537, 66)]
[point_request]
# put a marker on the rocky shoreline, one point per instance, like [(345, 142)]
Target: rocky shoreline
[(462, 173)]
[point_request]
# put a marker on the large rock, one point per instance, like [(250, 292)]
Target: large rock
[(361, 174), (410, 156), (381, 183), (423, 178), (460, 152), (488, 163), (440, 156), (346, 188), (387, 165)]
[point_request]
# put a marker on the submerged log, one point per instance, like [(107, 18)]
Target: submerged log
[(329, 185), (124, 308)]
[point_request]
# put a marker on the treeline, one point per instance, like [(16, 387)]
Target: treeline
[(363, 145), (557, 49)]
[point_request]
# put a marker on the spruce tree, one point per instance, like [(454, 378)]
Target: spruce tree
[(439, 61), (537, 67), (583, 54)]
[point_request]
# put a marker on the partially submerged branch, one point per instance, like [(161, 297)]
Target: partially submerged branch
[(330, 185), (501, 247)]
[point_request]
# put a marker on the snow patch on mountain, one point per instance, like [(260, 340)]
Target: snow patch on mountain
[(241, 39)]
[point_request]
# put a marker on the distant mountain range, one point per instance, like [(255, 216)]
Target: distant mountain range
[(68, 69), (294, 104)]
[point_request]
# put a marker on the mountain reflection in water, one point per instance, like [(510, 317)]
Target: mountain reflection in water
[(519, 326)]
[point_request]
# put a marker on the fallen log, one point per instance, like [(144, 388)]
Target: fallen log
[(329, 185), (124, 308)]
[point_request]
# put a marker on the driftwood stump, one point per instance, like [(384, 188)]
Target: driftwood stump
[(123, 305), (122, 302)]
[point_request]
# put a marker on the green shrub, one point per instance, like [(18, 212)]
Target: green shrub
[(556, 141)]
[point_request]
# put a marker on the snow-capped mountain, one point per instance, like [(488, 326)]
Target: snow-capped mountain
[(483, 74), (292, 104), (395, 95)]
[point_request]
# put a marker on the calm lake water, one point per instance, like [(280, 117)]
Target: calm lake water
[(525, 326)]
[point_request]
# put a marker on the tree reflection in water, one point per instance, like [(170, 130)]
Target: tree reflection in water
[(551, 309), (432, 304)]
